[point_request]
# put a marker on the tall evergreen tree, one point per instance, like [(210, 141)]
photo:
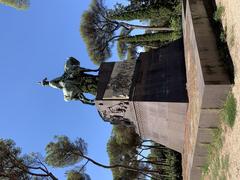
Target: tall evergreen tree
[(63, 152), (121, 148), (126, 147), (99, 32), (138, 5), (18, 4), (78, 174), (163, 37), (161, 13), (122, 47), (13, 166), (132, 53)]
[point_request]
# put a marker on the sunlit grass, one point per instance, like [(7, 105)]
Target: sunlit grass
[(217, 165), (213, 150), (219, 13), (228, 113)]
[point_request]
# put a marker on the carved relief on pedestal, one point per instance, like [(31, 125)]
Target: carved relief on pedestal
[(115, 113)]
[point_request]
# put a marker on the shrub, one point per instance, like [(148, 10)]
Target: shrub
[(219, 13), (229, 110)]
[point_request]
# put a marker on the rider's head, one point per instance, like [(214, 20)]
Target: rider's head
[(44, 82)]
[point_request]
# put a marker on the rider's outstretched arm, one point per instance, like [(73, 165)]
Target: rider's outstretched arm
[(88, 70)]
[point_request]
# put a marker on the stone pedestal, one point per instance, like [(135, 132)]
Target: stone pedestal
[(152, 95), (149, 93), (208, 84)]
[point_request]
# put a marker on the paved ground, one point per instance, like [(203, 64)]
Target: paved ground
[(231, 146)]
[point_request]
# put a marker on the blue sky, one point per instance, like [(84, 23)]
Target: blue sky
[(35, 44)]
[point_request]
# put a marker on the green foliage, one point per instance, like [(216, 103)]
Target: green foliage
[(170, 161), (100, 32), (122, 49), (213, 149), (217, 163), (96, 32), (222, 37), (219, 167), (77, 174), (121, 149), (15, 166), (217, 140), (219, 13), (150, 37), (10, 160), (158, 39), (18, 4), (132, 53), (229, 110), (159, 10), (162, 13), (62, 152), (126, 136), (225, 162), (176, 20), (139, 4), (122, 46)]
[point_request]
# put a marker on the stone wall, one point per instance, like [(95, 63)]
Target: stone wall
[(207, 83), (161, 75)]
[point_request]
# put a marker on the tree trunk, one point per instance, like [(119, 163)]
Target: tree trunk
[(118, 166), (151, 28)]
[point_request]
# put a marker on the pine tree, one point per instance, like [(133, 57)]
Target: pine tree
[(161, 13), (99, 32), (18, 4), (15, 166)]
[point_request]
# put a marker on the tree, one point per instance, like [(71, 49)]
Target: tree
[(132, 52), (13, 166), (127, 159), (99, 32), (78, 174), (122, 47), (163, 37), (148, 40), (152, 3), (18, 4), (138, 4), (145, 9), (123, 149), (127, 45), (171, 159), (126, 51), (161, 13), (63, 152)]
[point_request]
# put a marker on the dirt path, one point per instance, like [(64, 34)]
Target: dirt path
[(231, 24)]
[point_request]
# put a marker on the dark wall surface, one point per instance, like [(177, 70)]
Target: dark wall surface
[(104, 77), (161, 75)]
